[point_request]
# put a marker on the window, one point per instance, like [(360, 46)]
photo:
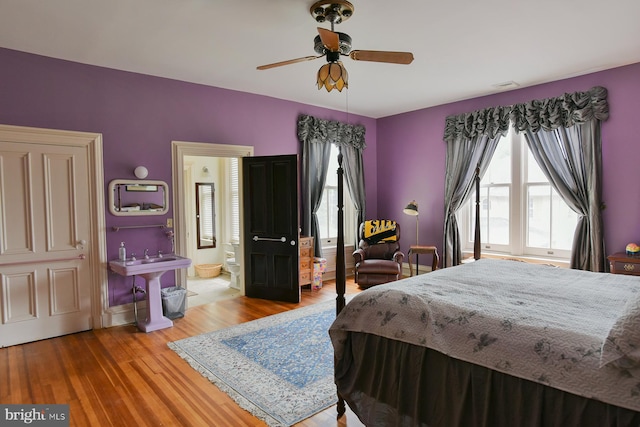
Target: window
[(550, 221), (520, 213), (234, 199), (328, 211)]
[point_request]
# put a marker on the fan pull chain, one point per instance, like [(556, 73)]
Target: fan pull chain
[(347, 103)]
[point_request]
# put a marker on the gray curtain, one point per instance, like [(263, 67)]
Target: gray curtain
[(471, 141), (563, 135), (353, 167), (315, 164), (316, 136)]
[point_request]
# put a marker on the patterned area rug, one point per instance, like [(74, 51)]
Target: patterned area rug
[(279, 368)]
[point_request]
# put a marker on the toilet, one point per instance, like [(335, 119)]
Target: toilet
[(233, 264)]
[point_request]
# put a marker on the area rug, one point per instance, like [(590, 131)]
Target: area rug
[(279, 368)]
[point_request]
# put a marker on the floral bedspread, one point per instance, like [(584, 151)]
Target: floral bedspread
[(531, 321)]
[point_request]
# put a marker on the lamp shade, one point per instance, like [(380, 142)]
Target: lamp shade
[(411, 208), (333, 75)]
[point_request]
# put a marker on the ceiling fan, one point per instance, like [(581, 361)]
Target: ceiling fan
[(333, 45)]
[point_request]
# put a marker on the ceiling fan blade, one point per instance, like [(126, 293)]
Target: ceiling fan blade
[(330, 40), (290, 61), (382, 56)]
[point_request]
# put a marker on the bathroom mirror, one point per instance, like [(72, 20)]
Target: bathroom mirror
[(205, 215), (130, 197)]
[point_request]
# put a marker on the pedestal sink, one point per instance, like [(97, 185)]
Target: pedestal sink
[(151, 269)]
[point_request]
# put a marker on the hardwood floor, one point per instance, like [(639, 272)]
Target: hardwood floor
[(122, 377)]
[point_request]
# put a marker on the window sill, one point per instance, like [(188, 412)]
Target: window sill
[(563, 263)]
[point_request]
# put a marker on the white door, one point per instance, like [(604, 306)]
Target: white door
[(45, 277)]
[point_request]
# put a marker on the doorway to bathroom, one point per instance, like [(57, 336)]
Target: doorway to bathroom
[(207, 290), (208, 218)]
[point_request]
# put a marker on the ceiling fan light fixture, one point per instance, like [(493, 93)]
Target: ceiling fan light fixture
[(333, 45), (333, 75)]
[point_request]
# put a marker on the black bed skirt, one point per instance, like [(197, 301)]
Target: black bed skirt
[(391, 383)]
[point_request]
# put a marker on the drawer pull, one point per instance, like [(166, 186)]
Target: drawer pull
[(629, 267)]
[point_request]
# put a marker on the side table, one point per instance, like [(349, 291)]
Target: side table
[(621, 263), (416, 250)]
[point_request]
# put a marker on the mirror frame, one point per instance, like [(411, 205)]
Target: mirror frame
[(199, 212), (126, 182)]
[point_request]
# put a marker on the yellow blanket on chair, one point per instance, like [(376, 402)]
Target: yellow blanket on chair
[(379, 231)]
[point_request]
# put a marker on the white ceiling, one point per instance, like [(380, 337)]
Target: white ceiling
[(462, 48)]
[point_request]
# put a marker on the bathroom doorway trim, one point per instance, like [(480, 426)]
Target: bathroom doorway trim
[(180, 149)]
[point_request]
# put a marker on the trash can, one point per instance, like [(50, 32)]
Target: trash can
[(319, 266), (174, 299)]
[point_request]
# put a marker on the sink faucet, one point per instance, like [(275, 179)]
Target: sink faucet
[(146, 254)]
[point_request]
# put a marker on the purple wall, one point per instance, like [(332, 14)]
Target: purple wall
[(413, 143), (138, 117)]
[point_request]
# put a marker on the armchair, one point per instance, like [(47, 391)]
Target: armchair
[(379, 262)]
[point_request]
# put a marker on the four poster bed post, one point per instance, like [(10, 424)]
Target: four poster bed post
[(476, 237), (340, 262)]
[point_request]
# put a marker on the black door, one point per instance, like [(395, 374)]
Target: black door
[(270, 198)]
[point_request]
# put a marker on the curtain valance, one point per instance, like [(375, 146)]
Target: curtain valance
[(548, 114), (492, 121), (316, 130), (563, 111)]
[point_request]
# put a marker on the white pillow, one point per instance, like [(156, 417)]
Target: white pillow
[(621, 348)]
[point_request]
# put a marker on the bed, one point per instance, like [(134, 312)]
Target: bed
[(491, 343)]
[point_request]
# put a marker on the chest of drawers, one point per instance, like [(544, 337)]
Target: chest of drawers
[(621, 263), (306, 260)]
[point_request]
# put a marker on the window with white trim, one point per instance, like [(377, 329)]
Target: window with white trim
[(328, 211), (520, 213), (234, 199)]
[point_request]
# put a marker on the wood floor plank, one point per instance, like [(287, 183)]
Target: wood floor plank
[(121, 377)]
